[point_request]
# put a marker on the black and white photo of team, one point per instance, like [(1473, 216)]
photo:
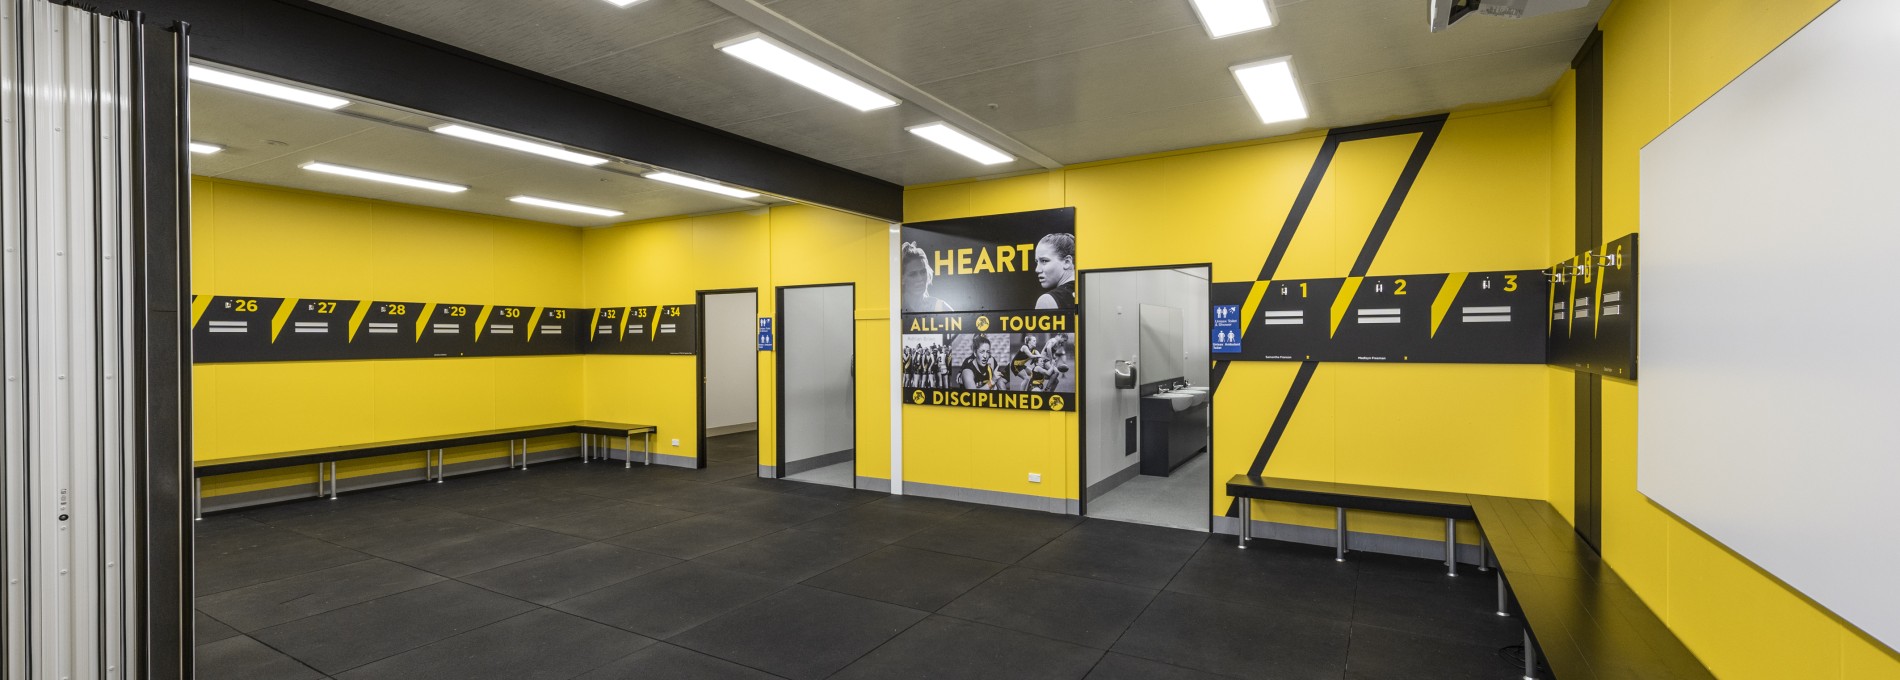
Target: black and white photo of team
[(1006, 362)]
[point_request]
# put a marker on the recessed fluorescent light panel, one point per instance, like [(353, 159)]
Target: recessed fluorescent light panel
[(624, 3), (212, 76), (570, 207), (956, 140), (201, 147), (375, 176), (517, 143), (699, 184), (1272, 88), (767, 54), (1232, 17)]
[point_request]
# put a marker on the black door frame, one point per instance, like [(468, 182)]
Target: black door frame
[(778, 379), (699, 362), (1081, 388)]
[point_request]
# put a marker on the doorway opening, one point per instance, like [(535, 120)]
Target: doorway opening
[(729, 377), (1147, 406), (817, 384)]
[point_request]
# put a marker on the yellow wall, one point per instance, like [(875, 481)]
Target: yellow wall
[(1453, 427), (272, 242), (1661, 59), (666, 261)]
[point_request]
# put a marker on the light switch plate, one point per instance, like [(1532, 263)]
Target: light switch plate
[(1035, 477), (676, 442)]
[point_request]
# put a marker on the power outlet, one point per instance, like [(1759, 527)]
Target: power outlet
[(1035, 477), (676, 442)]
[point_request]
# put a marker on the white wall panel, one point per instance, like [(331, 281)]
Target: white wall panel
[(1767, 416)]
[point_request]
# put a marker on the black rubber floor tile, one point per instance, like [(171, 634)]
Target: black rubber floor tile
[(558, 576), (221, 522), (527, 510), (1463, 608), (1023, 521), (841, 494), (935, 506), (1379, 653), (800, 633), (1309, 584), (666, 602), (884, 525), (1069, 608), (232, 564), (981, 542), (1124, 667), (340, 527), (1136, 563), (721, 470), (702, 498), (207, 630), (919, 579), (284, 600), (674, 663), (442, 525), (1414, 568), (624, 518), (1241, 640), (538, 645), (790, 555), (761, 484), (1166, 536), (242, 658), (336, 641), (481, 551), (785, 510), (951, 649), (694, 536)]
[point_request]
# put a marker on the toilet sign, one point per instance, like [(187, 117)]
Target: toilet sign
[(1226, 329), (765, 334)]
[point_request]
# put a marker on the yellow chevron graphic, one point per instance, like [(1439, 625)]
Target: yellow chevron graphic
[(1247, 310), (199, 303), (422, 321), (593, 327), (1454, 282), (1550, 309), (1596, 298), (356, 318), (624, 313), (481, 321), (1343, 301), (533, 320), (283, 314)]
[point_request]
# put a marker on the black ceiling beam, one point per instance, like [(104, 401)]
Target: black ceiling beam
[(310, 43)]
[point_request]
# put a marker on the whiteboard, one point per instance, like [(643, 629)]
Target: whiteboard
[(1769, 408)]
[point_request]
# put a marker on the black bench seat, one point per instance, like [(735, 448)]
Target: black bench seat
[(1451, 506), (1576, 610), (326, 458)]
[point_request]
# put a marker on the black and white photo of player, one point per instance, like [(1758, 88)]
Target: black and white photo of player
[(1055, 270)]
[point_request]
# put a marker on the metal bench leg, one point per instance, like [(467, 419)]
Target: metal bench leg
[(649, 448), (441, 465), (332, 480), (1484, 551), (1339, 534), (1246, 521), (586, 455), (198, 499), (1504, 605), (629, 450), (1530, 657), (524, 454), (1451, 547)]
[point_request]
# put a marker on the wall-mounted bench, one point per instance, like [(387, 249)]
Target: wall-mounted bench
[(596, 440), (1587, 622)]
